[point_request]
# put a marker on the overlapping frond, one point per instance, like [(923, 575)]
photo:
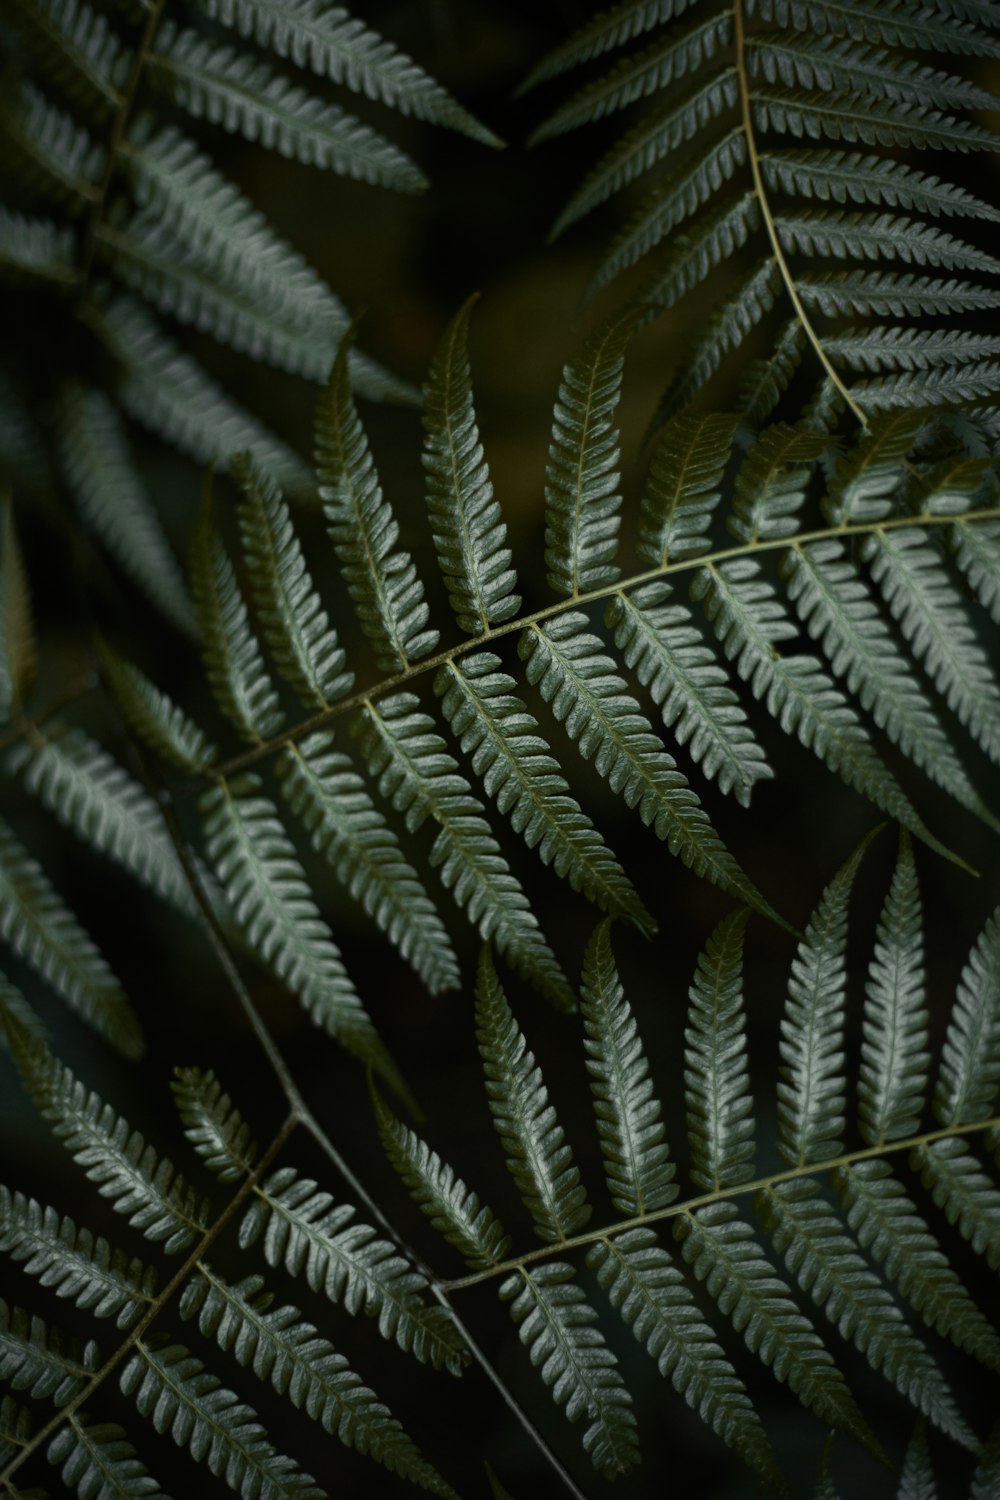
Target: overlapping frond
[(99, 1461), (749, 117)]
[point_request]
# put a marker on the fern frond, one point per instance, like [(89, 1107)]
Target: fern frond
[(827, 1266), (271, 900), (538, 1159), (812, 1100), (895, 24), (44, 932), (453, 1210), (933, 618), (648, 143), (894, 1054), (837, 609), (469, 532), (79, 50), (53, 153), (977, 552), (969, 1198), (725, 329), (332, 802), (156, 719), (970, 1060), (844, 236), (988, 1469), (682, 487), (637, 1166), (91, 794), (723, 1253), (581, 503), (237, 91), (295, 625), (749, 620), (335, 44), (580, 682), (603, 33), (845, 65), (659, 642), (887, 1225), (916, 1481), (18, 645), (556, 1324), (36, 248), (495, 728), (180, 1397), (73, 1262), (942, 387), (668, 206), (421, 778), (233, 660), (113, 499), (909, 348), (383, 583), (850, 177), (859, 118), (713, 238), (771, 484), (100, 1462), (653, 1298), (142, 1185), (284, 1349), (663, 62), (169, 393), (716, 1072), (884, 293), (41, 1360), (301, 1230), (216, 1130)]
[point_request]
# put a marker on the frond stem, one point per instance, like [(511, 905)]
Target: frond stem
[(769, 224), (760, 1184), (265, 748), (159, 1303)]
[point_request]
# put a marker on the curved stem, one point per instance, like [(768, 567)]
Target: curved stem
[(760, 1184), (268, 747), (772, 229)]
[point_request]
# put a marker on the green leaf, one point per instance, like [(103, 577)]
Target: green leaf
[(825, 1262), (326, 793), (383, 583), (44, 932), (233, 660), (73, 1262), (216, 1130), (517, 770), (579, 680), (682, 490), (454, 1211), (182, 1398), (100, 1462), (894, 1055), (812, 1098), (962, 1189), (41, 1360), (581, 500), (302, 1231), (295, 625), (235, 90), (156, 719), (284, 1349), (637, 1167), (645, 1286), (716, 1072), (469, 532), (555, 1323), (970, 1060), (422, 779), (538, 1159)]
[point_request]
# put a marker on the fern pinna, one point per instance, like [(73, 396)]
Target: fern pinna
[(817, 135), (128, 237)]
